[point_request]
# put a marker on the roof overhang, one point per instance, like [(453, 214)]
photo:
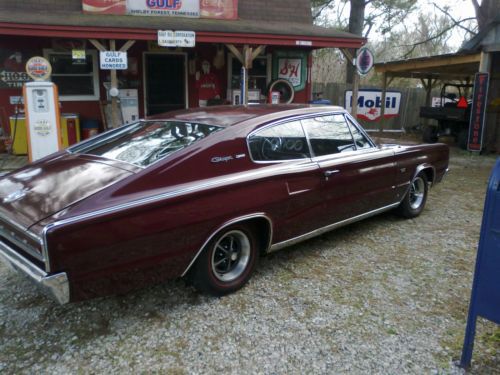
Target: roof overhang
[(78, 25), (449, 66)]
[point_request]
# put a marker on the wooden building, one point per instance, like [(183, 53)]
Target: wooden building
[(273, 39)]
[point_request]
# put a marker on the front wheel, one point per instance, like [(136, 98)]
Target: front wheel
[(227, 262), (414, 201)]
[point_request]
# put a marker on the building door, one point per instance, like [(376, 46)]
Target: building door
[(165, 82)]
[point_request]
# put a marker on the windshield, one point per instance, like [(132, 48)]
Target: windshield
[(145, 142)]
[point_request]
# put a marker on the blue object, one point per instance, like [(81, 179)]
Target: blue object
[(485, 298), (321, 101)]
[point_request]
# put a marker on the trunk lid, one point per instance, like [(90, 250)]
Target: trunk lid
[(43, 188)]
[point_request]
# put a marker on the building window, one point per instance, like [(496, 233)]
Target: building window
[(259, 75), (75, 79)]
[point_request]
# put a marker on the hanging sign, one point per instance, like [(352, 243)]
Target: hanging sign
[(113, 60), (179, 8), (476, 124), (78, 56), (370, 104), (169, 38), (38, 68), (364, 61)]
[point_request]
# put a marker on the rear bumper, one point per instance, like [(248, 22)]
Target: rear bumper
[(56, 285)]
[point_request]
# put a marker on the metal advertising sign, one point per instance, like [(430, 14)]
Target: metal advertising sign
[(220, 9), (38, 68), (290, 69), (364, 61), (113, 60), (170, 38), (485, 298), (370, 104), (179, 8), (476, 124)]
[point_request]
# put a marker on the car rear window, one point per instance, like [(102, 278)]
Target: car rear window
[(145, 142)]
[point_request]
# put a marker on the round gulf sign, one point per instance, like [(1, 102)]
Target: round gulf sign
[(364, 60), (38, 68)]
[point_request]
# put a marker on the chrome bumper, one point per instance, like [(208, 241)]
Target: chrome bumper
[(57, 284)]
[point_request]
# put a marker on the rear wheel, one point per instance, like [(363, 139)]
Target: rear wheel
[(227, 262), (414, 201)]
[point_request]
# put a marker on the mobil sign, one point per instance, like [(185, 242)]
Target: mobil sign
[(370, 104)]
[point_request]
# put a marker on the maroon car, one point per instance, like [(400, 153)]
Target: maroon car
[(201, 194)]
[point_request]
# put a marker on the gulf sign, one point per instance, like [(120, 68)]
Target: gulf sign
[(180, 8), (370, 104)]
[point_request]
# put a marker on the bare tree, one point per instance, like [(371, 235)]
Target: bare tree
[(486, 12)]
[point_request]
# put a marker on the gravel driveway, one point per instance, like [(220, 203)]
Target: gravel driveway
[(385, 295)]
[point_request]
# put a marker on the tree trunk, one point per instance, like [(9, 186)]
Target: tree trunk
[(356, 24), (486, 12)]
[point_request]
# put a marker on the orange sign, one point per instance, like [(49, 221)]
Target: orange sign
[(105, 6), (222, 9)]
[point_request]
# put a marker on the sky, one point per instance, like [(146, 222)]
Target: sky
[(459, 9)]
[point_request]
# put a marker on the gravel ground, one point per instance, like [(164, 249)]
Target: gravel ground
[(385, 295)]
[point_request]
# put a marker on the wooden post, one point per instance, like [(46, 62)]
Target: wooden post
[(114, 85), (355, 90), (355, 84), (246, 58), (382, 105)]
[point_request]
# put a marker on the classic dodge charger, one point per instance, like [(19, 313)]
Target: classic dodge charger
[(201, 194)]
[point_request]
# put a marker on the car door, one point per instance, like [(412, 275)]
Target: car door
[(291, 179), (357, 176)]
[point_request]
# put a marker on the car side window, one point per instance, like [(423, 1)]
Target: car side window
[(285, 141), (328, 134), (359, 138)]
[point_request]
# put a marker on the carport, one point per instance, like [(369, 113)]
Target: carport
[(429, 70)]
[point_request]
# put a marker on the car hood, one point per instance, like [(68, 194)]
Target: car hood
[(43, 188)]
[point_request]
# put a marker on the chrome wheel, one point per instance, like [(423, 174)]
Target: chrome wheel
[(231, 256), (417, 192)]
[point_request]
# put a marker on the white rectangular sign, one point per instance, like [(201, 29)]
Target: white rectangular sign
[(178, 8), (370, 104), (113, 60), (169, 38)]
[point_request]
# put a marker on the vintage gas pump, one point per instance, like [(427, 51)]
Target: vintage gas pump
[(41, 105)]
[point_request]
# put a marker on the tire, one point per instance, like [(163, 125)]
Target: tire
[(227, 261), (430, 134), (414, 201)]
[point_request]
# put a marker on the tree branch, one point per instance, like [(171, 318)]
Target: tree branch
[(455, 22), (322, 8)]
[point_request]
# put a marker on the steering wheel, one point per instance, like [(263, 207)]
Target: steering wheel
[(270, 145)]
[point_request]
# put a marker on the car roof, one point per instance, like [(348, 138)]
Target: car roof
[(228, 115)]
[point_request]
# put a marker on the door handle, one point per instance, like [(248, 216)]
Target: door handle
[(331, 172)]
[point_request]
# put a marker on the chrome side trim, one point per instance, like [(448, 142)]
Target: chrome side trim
[(320, 231), (225, 225), (212, 183), (57, 285)]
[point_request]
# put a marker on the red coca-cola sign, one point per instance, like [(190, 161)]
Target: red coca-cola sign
[(105, 6)]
